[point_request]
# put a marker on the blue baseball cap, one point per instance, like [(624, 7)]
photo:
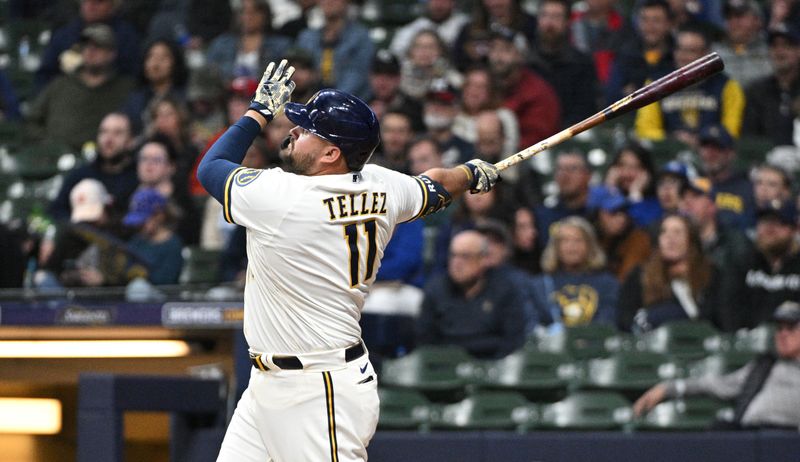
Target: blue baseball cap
[(144, 204), (604, 198), (717, 135), (785, 212), (676, 168)]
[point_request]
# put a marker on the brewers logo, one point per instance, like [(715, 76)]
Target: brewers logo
[(578, 303), (247, 176)]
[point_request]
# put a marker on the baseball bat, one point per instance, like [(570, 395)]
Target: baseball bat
[(678, 79)]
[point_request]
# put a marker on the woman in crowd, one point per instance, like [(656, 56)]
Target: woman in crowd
[(163, 74), (632, 173), (171, 118), (527, 253), (478, 94), (677, 282), (574, 288), (426, 62), (244, 51)]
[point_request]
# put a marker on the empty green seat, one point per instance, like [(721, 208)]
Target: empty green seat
[(485, 410), (540, 376), (403, 409), (580, 342), (759, 339), (41, 161), (683, 339), (440, 372), (629, 373), (688, 414), (720, 363), (587, 410), (200, 266)]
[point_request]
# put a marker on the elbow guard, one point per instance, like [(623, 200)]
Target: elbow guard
[(435, 196)]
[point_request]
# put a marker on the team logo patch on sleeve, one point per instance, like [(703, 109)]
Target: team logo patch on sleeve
[(247, 176)]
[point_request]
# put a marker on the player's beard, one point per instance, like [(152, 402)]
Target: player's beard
[(293, 161)]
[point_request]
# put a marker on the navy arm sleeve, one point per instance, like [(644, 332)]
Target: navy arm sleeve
[(225, 155)]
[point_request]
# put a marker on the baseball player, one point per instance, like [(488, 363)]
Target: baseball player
[(316, 232)]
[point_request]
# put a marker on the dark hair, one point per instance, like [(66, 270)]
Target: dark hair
[(645, 157), (180, 73), (162, 139), (425, 138), (263, 7), (694, 29), (656, 4), (565, 3)]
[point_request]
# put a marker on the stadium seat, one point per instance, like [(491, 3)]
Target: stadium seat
[(579, 342), (440, 372), (688, 414), (630, 373), (756, 340), (15, 212), (720, 363), (403, 409), (41, 161), (587, 410), (752, 151), (200, 266), (540, 376), (683, 339), (485, 410)]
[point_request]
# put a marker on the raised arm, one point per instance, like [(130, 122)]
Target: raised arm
[(476, 176), (224, 156)]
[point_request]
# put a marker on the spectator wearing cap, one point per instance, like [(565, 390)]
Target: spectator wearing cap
[(648, 55), (479, 94), (733, 191), (670, 182), (243, 51), (472, 44), (439, 110), (205, 93), (385, 92), (86, 251), (677, 282), (71, 107), (425, 64), (632, 173), (127, 58), (113, 165), (498, 256), (524, 92), (341, 49), (163, 73), (599, 31), (769, 112), (718, 100), (744, 48), (155, 241), (574, 288), (765, 391), (773, 274), (624, 245), (726, 246), (569, 71), (439, 15)]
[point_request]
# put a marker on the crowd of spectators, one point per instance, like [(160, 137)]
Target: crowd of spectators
[(139, 90)]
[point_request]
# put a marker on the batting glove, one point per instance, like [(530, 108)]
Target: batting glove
[(483, 175), (274, 90)]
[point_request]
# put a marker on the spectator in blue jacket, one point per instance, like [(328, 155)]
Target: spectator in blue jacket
[(574, 288), (342, 49)]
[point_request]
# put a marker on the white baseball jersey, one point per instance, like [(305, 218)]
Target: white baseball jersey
[(314, 246)]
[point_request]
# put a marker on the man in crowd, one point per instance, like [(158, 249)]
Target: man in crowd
[(471, 305), (572, 176), (765, 391)]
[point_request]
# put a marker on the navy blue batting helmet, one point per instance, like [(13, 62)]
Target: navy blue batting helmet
[(342, 119)]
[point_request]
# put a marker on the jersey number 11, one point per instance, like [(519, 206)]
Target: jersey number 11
[(351, 235)]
